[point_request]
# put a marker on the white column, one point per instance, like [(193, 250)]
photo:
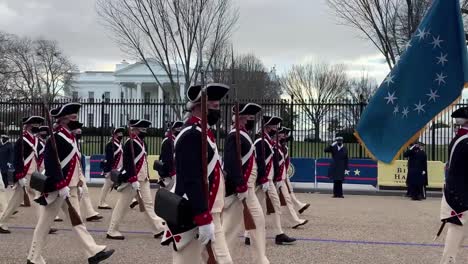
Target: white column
[(138, 91), (160, 93)]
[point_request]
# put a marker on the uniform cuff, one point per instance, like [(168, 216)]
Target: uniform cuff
[(203, 219), (133, 179), (61, 184), (20, 176), (277, 179), (263, 180), (241, 189)]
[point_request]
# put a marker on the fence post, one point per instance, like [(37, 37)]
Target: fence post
[(291, 116), (433, 142), (361, 109), (102, 125)]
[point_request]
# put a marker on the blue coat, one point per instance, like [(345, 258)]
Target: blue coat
[(417, 164), (339, 164)]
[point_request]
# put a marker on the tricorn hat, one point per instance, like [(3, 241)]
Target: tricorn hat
[(247, 109), (33, 120), (141, 123), (284, 130), (66, 109), (461, 113), (177, 124), (118, 130), (271, 120), (214, 92)]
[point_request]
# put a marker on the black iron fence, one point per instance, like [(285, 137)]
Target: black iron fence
[(314, 124)]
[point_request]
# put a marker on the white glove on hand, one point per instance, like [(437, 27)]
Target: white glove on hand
[(265, 186), (206, 233), (64, 192), (23, 182), (242, 196), (424, 173), (136, 186), (279, 184), (334, 144)]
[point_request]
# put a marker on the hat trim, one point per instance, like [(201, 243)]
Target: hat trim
[(63, 107)]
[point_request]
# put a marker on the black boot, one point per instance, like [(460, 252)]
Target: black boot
[(283, 239), (247, 241), (103, 255)]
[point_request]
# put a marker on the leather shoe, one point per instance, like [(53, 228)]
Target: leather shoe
[(4, 231), (158, 235), (115, 237), (304, 208), (52, 231), (132, 205), (103, 255), (29, 262), (301, 224), (94, 218), (104, 208)]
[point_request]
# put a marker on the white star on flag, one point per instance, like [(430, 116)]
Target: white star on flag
[(436, 42), (419, 107), (408, 45), (390, 98), (346, 172), (442, 59), (440, 78), (433, 95), (396, 110), (405, 112), (422, 34), (389, 79), (357, 172)]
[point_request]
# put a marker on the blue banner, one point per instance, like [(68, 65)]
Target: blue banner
[(361, 171), (302, 170), (95, 171)]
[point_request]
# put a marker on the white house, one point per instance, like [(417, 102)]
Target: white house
[(128, 81)]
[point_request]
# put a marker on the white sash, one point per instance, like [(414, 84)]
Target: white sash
[(72, 154), (119, 148)]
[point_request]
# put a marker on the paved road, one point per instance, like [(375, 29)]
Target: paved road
[(354, 230)]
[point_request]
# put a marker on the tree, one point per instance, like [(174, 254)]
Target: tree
[(314, 86), (179, 35), (33, 68), (387, 24)]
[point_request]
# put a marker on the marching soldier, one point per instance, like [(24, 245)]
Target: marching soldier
[(268, 176), (189, 181), (282, 185), (284, 142), (240, 185), (25, 163), (83, 191), (6, 158), (165, 166), (63, 185), (135, 180), (42, 137), (454, 205), (113, 161)]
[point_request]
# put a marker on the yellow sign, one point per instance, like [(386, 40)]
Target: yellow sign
[(394, 174), (152, 173)]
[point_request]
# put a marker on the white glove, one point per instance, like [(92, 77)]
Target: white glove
[(206, 233), (9, 165), (279, 184), (424, 173), (334, 144), (64, 192), (242, 196), (23, 182), (265, 186), (136, 186)]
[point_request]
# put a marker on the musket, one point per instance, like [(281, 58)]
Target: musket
[(276, 153), (204, 158), (26, 201), (249, 223), (141, 205), (74, 216), (269, 204)]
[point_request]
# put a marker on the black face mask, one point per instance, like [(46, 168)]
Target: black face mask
[(43, 136), (78, 136), (282, 141), (142, 134), (119, 138), (213, 116), (72, 125), (340, 144), (34, 130), (176, 133), (272, 133), (250, 125)]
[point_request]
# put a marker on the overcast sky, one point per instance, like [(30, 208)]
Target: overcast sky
[(280, 32)]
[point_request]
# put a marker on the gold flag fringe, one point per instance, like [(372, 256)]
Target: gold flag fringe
[(416, 136)]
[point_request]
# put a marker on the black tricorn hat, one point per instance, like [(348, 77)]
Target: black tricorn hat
[(247, 109), (118, 130), (214, 92), (284, 130), (271, 120), (66, 109), (142, 123), (177, 124), (461, 113), (44, 129), (33, 120)]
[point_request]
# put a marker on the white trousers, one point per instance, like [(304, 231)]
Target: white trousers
[(297, 204), (87, 205), (291, 213), (15, 201), (106, 188), (277, 229), (46, 219), (195, 252), (123, 206), (453, 242), (233, 224), (3, 198)]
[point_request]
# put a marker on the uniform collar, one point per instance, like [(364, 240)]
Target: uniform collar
[(462, 131), (28, 136), (65, 131)]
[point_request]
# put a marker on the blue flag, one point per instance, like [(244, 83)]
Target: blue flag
[(428, 78)]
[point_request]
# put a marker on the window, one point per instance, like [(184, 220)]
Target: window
[(91, 97), (75, 96), (107, 97), (147, 97), (90, 119), (106, 120)]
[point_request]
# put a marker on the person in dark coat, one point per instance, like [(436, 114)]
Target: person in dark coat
[(165, 166), (338, 166), (417, 171), (6, 157)]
